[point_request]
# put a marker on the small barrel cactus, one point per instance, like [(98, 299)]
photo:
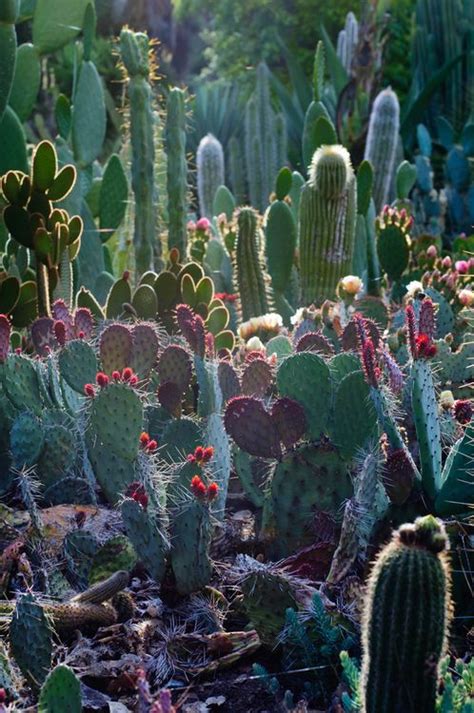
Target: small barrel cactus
[(406, 620)]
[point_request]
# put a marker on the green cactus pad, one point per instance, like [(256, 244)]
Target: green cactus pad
[(190, 541), (117, 419), (117, 554), (306, 481), (112, 472), (78, 364), (305, 377), (455, 492), (30, 640), (180, 438), (425, 416), (280, 244), (257, 378), (120, 294), (354, 421), (60, 692), (113, 197), (21, 383), (175, 365), (343, 364), (147, 536), (26, 439), (69, 490), (26, 81), (79, 549), (88, 116), (58, 455)]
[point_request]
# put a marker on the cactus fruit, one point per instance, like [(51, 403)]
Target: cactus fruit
[(210, 173), (327, 219), (406, 620), (134, 48), (381, 146), (60, 692)]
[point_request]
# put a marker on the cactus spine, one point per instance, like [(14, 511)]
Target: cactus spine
[(406, 621), (327, 218), (382, 141), (134, 47), (176, 170), (250, 277), (210, 172)]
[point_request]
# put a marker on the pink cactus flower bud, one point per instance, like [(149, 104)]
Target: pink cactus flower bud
[(462, 266), (446, 262), (203, 224), (432, 253)]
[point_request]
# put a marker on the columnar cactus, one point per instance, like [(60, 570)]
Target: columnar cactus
[(210, 173), (382, 140), (177, 170), (250, 275), (327, 218), (347, 41), (134, 48), (8, 16), (263, 131), (406, 620)]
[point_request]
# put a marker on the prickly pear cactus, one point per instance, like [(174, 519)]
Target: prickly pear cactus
[(60, 692), (30, 639)]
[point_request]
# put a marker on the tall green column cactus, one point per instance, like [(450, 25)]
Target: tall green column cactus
[(327, 218), (250, 276), (264, 134), (406, 621), (8, 16), (177, 182), (236, 170), (381, 146), (315, 110), (210, 173), (134, 48)]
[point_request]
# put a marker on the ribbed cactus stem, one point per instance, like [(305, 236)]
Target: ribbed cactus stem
[(347, 41), (177, 170), (406, 621), (210, 172), (64, 287), (382, 141), (42, 285), (327, 217), (134, 49), (250, 278), (236, 170), (264, 141)]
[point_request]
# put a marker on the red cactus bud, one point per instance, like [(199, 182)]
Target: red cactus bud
[(127, 373), (199, 453), (198, 488), (144, 438), (59, 329), (116, 375), (360, 329), (411, 324), (133, 380), (371, 370), (89, 390), (463, 411), (190, 458), (3, 695), (253, 355), (208, 454), (137, 492), (102, 379), (18, 350), (152, 446), (212, 491), (126, 275), (425, 349), (81, 335)]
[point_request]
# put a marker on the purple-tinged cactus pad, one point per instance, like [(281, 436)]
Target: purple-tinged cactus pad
[(315, 342), (169, 396), (115, 348), (5, 331), (350, 340), (42, 336), (61, 312), (257, 378), (175, 365), (144, 349), (228, 380), (290, 421), (83, 322), (252, 427)]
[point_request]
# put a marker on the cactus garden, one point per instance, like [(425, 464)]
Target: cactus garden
[(236, 354)]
